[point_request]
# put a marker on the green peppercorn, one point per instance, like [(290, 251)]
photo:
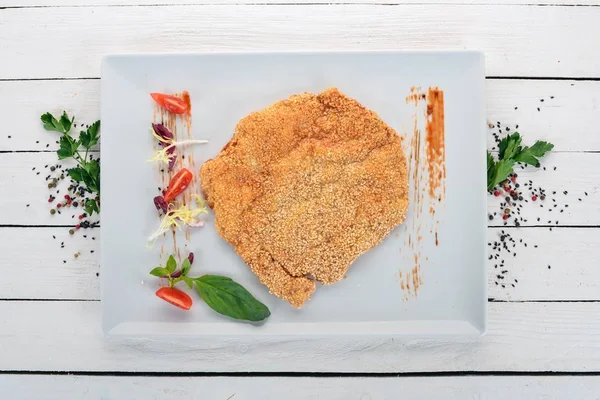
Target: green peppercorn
[(52, 211), (71, 232)]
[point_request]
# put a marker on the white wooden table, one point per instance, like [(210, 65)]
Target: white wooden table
[(544, 333)]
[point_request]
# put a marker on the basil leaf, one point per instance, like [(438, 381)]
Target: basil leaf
[(185, 267), (188, 281), (159, 271), (171, 264), (229, 298)]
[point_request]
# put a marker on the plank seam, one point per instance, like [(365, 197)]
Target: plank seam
[(381, 4), (491, 77), (305, 374)]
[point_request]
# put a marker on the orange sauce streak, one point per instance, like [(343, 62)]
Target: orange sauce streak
[(436, 158), (427, 171)]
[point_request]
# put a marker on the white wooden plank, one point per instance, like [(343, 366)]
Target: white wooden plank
[(571, 253), (576, 173), (47, 387), (568, 113), (518, 41), (568, 120), (66, 336), (75, 3), (46, 270), (28, 100)]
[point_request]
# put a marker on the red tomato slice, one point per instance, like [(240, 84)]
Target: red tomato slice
[(175, 296), (172, 104), (178, 183)]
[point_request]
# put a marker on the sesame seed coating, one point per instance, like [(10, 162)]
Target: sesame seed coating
[(304, 187)]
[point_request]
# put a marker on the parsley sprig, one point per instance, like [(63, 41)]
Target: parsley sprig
[(88, 170), (511, 152)]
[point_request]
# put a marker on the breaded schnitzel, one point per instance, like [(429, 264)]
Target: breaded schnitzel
[(304, 187)]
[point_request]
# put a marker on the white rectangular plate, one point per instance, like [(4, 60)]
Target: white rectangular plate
[(224, 88)]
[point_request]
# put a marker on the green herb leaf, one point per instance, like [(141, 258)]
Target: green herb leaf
[(171, 264), (90, 181), (159, 271), (188, 281), (66, 148), (491, 171), (527, 158), (88, 171), (509, 146), (84, 139), (93, 168), (90, 137), (540, 148), (76, 173), (51, 123), (503, 169), (530, 155), (91, 206), (93, 133), (229, 298), (185, 267), (65, 122), (510, 152)]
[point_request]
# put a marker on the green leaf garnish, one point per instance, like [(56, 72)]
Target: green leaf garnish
[(171, 264), (88, 170), (188, 281), (220, 293), (159, 271), (91, 206), (185, 267), (229, 298), (510, 152)]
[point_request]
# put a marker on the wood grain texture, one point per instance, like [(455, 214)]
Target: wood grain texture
[(66, 336), (117, 3), (517, 40), (25, 387), (568, 120), (571, 253)]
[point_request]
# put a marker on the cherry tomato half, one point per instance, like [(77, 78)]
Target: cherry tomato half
[(178, 183), (175, 296), (172, 104)]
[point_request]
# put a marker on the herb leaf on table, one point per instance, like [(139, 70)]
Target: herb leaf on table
[(511, 152), (88, 170)]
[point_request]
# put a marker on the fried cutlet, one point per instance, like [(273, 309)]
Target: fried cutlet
[(304, 187)]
